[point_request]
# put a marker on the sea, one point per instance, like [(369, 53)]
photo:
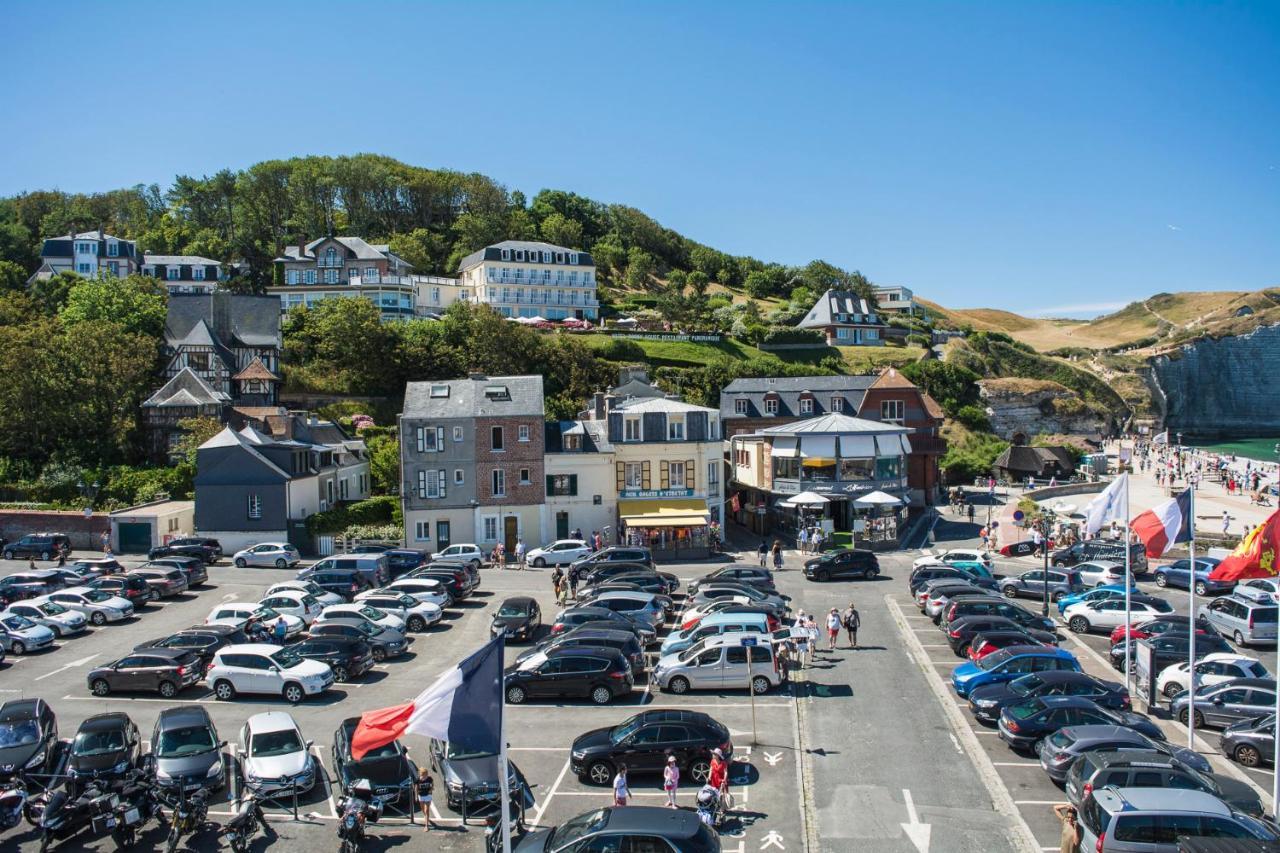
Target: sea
[(1262, 449)]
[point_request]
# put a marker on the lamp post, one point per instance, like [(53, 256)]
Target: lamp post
[(88, 492), (1044, 582)]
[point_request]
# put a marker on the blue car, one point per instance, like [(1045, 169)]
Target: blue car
[(972, 567), (1178, 573), (1010, 663), (1098, 593)]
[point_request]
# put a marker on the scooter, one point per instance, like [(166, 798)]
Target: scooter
[(189, 815), (136, 806), (64, 814), (243, 826), (13, 804), (357, 806)]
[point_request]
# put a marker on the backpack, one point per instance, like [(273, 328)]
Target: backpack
[(853, 621)]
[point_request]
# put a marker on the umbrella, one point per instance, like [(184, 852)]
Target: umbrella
[(1063, 508), (878, 498), (806, 499)]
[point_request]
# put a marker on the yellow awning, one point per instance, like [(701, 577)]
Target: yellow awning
[(665, 512)]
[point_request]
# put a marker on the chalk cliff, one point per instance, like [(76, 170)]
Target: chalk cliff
[(1223, 387)]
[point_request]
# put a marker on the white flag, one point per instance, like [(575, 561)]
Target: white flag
[(1111, 505)]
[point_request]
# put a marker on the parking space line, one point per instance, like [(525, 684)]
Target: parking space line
[(555, 786), (1015, 764)]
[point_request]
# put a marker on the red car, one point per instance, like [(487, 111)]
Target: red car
[(993, 641), (1153, 628)]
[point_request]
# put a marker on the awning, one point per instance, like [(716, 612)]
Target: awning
[(665, 512), (784, 447), (821, 446), (857, 446), (893, 445)]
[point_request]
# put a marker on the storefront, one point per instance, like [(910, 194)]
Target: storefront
[(672, 528)]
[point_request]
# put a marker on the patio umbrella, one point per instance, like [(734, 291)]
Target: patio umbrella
[(806, 499), (878, 498)]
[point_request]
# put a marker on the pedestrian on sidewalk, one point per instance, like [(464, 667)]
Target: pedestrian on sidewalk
[(985, 535), (557, 583), (763, 551), (812, 625), (573, 584), (801, 632), (671, 780), (1226, 522), (833, 629), (1069, 841), (852, 621), (519, 553), (818, 540), (620, 791), (425, 786), (802, 539), (777, 554)]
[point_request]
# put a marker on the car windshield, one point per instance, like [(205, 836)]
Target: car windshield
[(269, 744), (624, 730), (370, 613), (1026, 685), (191, 740), (49, 608), (405, 600), (509, 609), (97, 743), (367, 629), (572, 830), (1159, 605), (18, 733), (994, 659), (97, 596), (268, 613), (389, 750), (1025, 710), (1265, 614), (287, 658), (457, 752), (18, 623)]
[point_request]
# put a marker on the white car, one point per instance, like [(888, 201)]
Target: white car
[(1100, 573), (1085, 616), (466, 553), (312, 588), (1265, 590), (268, 670), (1211, 669), (360, 610), (237, 613), (98, 606), (693, 614), (428, 590), (280, 555), (956, 555), (562, 552), (417, 615), (52, 615), (292, 602), (274, 756)]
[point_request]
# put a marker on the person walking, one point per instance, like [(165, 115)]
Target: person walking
[(763, 551), (620, 791), (573, 584), (777, 554), (812, 624), (852, 621), (718, 778), (1069, 839), (818, 539), (557, 584), (783, 656), (423, 788), (1226, 522), (279, 630), (671, 780), (520, 553), (801, 632), (833, 629), (802, 539)]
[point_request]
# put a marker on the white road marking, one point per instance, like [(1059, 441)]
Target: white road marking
[(1037, 803), (66, 667), (955, 742), (1015, 763), (916, 831), (555, 786)]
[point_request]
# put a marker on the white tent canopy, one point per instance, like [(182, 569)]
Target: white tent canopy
[(878, 498), (806, 499)]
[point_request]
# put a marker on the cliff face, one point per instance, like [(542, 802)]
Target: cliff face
[(1021, 409), (1222, 388)]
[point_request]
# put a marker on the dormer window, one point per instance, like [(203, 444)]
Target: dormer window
[(675, 428), (519, 254), (740, 407), (113, 249), (546, 257), (573, 442), (806, 405), (631, 429), (573, 257), (439, 391), (559, 257), (771, 405), (837, 404), (506, 254)]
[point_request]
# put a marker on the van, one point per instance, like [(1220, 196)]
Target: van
[(713, 626), (719, 663), (1094, 550), (1245, 620), (1151, 820), (375, 567)]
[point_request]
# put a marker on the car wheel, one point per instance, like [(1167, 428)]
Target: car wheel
[(540, 563), (760, 685), (1172, 689), (1079, 624), (224, 690), (1247, 755), (240, 563), (1184, 713), (97, 618), (1059, 564), (168, 689), (1162, 580), (600, 772), (679, 684), (963, 651), (870, 574), (1009, 592), (293, 693), (1201, 589), (1239, 638), (8, 555), (601, 695), (379, 654), (340, 673), (100, 687), (282, 563), (18, 647), (516, 695), (700, 770), (823, 575), (1057, 596)]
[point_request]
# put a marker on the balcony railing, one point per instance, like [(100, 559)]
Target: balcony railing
[(537, 282), (542, 299)]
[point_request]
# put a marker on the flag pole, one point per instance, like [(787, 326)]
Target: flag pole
[(1128, 601), (1191, 651), (1275, 756), (504, 784)]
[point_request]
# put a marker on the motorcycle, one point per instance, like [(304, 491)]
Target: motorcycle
[(189, 815), (243, 826), (13, 804), (136, 806), (357, 806), (64, 813)]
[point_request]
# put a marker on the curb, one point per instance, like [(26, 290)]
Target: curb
[(1022, 837), (804, 772)]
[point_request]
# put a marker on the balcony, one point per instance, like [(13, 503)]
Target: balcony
[(536, 282), (541, 299)]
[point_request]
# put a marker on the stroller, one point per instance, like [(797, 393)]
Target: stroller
[(712, 806)]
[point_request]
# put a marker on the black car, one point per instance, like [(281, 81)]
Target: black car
[(608, 571), (163, 671), (106, 746), (347, 583), (519, 617), (387, 767), (22, 585), (962, 632), (401, 560), (611, 554), (187, 751), (757, 576), (132, 587), (644, 741), (198, 552), (192, 567), (472, 776), (987, 701), (647, 828), (1170, 648), (924, 574), (591, 637), (37, 546), (95, 567), (201, 640), (348, 658), (454, 580), (28, 733), (384, 642), (598, 674), (1092, 550), (838, 565), (1024, 723), (572, 617)]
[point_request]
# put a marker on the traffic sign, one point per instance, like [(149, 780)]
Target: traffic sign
[(1018, 515), (748, 642)]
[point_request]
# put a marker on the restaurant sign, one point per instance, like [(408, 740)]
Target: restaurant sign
[(655, 493), (838, 489)]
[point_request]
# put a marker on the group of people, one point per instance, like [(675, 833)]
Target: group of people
[(810, 540), (765, 550), (258, 631), (565, 585), (718, 778)]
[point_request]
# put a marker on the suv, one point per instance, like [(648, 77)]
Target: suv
[(188, 753), (163, 671), (266, 669), (401, 560), (611, 554), (186, 548), (1147, 768), (1178, 573), (28, 735), (469, 553), (1093, 550), (375, 567), (387, 768), (42, 546), (991, 606), (1245, 620), (1230, 702), (1151, 820), (1032, 584), (849, 563), (344, 582), (598, 674), (22, 585)]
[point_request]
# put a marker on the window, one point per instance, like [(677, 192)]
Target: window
[(519, 254), (457, 433), (634, 475), (837, 403), (676, 474), (113, 249), (771, 405), (490, 528), (713, 428), (422, 531), (506, 255), (524, 476), (562, 485), (631, 429), (739, 407), (113, 267), (499, 483), (458, 477), (573, 257), (331, 276), (573, 442), (496, 438), (430, 439), (675, 428), (371, 273), (713, 475), (431, 484), (83, 269), (255, 506), (891, 411), (173, 272), (522, 432), (309, 277), (806, 405), (328, 490)]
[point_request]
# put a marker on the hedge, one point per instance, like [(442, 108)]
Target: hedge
[(788, 335), (378, 511)]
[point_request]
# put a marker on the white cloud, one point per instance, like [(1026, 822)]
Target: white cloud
[(1174, 227)]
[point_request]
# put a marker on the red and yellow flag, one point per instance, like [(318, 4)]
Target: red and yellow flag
[(1255, 556)]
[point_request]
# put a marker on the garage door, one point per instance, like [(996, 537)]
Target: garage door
[(134, 537)]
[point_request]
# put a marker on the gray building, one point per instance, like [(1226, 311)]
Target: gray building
[(750, 404)]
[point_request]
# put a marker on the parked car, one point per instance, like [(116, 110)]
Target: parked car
[(238, 614), (933, 598), (988, 701), (643, 742), (164, 581), (1169, 648), (611, 554), (311, 588), (1145, 768), (345, 583), (715, 625), (20, 585), (385, 642), (280, 555), (387, 768), (993, 641), (624, 642), (20, 635), (416, 615), (359, 611), (266, 669), (571, 617), (519, 617), (187, 751), (607, 572), (467, 553), (1023, 724), (211, 546), (1092, 550), (1266, 590), (348, 658), (990, 606), (201, 640), (274, 756), (1211, 669), (129, 586), (718, 663), (37, 546), (194, 550), (1220, 705), (1062, 748), (1098, 593), (955, 555), (691, 618), (1151, 820), (1096, 573), (651, 584), (727, 590), (598, 674), (106, 746), (1172, 622), (453, 580), (1032, 584), (371, 548), (163, 671), (401, 560), (1112, 613), (1178, 574), (1248, 742), (376, 568), (192, 567), (961, 633), (471, 776), (60, 620), (757, 576), (633, 827), (294, 603), (1008, 664), (1245, 620), (28, 737), (843, 565), (922, 576), (95, 566), (426, 590), (98, 606), (561, 552), (643, 607)]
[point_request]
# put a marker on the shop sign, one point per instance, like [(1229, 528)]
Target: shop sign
[(655, 493)]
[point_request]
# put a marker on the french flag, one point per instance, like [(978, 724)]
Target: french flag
[(1164, 524), (463, 706)]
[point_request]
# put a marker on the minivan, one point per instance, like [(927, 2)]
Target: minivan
[(713, 626), (1092, 550), (719, 663), (1245, 620), (38, 546), (1147, 768), (375, 567), (344, 582), (1151, 820)]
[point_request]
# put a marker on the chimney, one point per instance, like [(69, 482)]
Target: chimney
[(597, 406), (302, 248)]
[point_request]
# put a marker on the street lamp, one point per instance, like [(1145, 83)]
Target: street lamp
[(88, 492), (1044, 582)]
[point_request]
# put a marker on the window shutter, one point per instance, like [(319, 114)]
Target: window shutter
[(439, 439), (622, 475), (664, 475), (573, 485), (690, 474), (422, 483), (442, 481), (644, 475), (550, 485), (422, 439)]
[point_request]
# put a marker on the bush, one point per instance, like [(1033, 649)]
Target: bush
[(920, 340), (974, 417), (788, 335), (374, 511), (620, 349)]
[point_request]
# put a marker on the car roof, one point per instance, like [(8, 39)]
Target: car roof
[(248, 648), (1099, 731), (1054, 676), (1037, 649), (563, 651), (520, 599), (1266, 683), (1134, 756), (1168, 799), (105, 722), (270, 721), (614, 594), (183, 716), (651, 820), (599, 633), (1066, 701), (20, 709), (162, 652), (674, 715)]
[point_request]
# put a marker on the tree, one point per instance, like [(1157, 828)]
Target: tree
[(384, 464), (562, 231), (195, 432), (13, 278), (51, 293), (640, 268), (137, 303)]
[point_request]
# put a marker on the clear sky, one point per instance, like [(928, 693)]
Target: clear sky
[(1036, 156)]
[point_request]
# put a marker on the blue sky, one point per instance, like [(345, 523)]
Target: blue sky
[(1032, 156)]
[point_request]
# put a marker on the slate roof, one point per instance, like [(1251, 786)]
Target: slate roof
[(834, 424), (1020, 459), (297, 426), (658, 404), (229, 318), (833, 302), (468, 398), (595, 438), (357, 246), (229, 438), (189, 260), (789, 389), (636, 388), (186, 388), (256, 370), (494, 253)]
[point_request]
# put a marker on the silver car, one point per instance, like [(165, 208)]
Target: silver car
[(643, 607), (1245, 620), (1220, 705), (280, 555), (20, 635), (274, 756), (98, 605), (718, 663), (1150, 820), (52, 615)]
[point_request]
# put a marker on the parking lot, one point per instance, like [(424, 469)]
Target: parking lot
[(763, 776)]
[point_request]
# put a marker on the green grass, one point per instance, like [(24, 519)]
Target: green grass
[(869, 359), (697, 354)]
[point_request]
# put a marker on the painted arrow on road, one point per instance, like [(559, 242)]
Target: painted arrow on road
[(773, 758), (918, 832), (66, 667)]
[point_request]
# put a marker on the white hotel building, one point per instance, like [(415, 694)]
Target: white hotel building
[(519, 278)]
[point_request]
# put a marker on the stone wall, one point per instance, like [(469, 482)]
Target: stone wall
[(85, 533), (1025, 408), (1222, 388)]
